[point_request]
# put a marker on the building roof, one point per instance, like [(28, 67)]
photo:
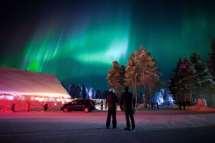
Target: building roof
[(24, 83)]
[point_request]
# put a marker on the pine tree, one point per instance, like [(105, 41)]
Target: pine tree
[(115, 76), (191, 79), (202, 76), (181, 82), (174, 80), (211, 61), (141, 72)]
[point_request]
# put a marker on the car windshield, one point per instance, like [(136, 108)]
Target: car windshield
[(75, 102), (89, 102)]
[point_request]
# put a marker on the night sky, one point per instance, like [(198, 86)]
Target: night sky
[(77, 40)]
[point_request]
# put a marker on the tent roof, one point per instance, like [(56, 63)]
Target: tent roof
[(19, 82)]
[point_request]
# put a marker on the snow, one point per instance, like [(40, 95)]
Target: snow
[(80, 127)]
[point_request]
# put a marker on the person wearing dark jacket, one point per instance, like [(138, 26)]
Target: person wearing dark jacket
[(111, 102), (127, 104)]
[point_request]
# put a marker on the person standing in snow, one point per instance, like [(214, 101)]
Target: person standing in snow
[(127, 104), (111, 104)]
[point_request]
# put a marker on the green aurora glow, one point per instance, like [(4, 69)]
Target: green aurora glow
[(80, 45)]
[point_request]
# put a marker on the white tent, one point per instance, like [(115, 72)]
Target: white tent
[(28, 86)]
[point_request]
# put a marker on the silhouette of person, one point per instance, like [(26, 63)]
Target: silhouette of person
[(182, 102), (13, 107), (45, 107), (127, 104), (111, 102), (28, 106), (102, 104)]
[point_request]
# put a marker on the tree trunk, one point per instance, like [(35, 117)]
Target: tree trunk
[(134, 85)]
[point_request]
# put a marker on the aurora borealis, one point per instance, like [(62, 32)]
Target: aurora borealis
[(78, 40)]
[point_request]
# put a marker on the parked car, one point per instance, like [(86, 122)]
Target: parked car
[(86, 105)]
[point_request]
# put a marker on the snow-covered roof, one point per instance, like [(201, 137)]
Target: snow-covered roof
[(24, 83)]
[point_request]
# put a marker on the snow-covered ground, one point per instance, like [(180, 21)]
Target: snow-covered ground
[(75, 127)]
